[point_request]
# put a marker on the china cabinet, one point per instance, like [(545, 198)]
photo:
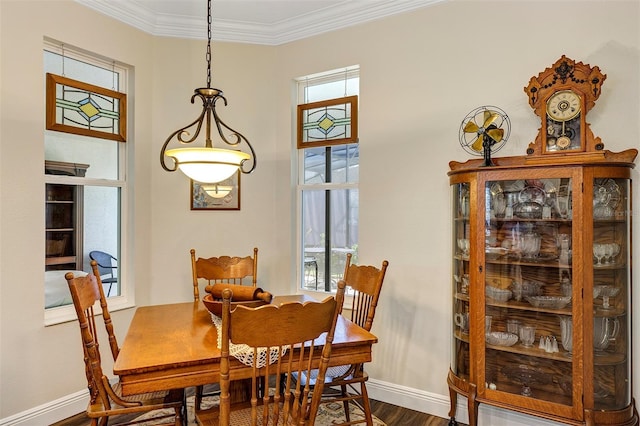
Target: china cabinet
[(542, 282), (63, 218)]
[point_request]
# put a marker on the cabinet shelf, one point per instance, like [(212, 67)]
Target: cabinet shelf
[(532, 351), (525, 306), (59, 260), (541, 262)]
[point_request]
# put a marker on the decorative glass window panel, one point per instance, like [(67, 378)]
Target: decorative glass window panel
[(84, 109), (328, 158), (329, 122)]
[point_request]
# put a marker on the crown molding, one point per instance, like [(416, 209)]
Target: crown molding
[(342, 15)]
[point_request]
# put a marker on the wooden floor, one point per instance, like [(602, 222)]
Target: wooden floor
[(392, 415)]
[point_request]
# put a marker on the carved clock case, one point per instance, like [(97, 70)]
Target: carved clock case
[(542, 267)]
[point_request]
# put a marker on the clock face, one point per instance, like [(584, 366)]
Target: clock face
[(563, 105)]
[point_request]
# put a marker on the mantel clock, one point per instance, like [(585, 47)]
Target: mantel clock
[(561, 96)]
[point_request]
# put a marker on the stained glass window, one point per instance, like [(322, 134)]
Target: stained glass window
[(84, 109), (330, 122)]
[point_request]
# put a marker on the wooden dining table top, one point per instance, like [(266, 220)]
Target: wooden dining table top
[(175, 346)]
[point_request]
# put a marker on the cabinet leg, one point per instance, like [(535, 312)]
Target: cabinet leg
[(453, 398), (472, 406)]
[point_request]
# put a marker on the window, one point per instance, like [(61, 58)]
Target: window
[(85, 189), (327, 191)]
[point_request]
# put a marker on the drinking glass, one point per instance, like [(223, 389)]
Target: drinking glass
[(598, 252), (608, 253), (566, 333), (616, 251), (487, 324), (527, 335), (513, 326)]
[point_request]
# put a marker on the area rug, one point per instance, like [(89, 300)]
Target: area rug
[(328, 414)]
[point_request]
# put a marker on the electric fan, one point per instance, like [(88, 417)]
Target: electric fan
[(484, 131)]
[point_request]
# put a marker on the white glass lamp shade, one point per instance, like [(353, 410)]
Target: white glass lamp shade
[(207, 165), (217, 191)]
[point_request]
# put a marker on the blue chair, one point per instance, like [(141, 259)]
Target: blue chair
[(105, 267)]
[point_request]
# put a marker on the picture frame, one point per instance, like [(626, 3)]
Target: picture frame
[(330, 122), (223, 195), (81, 108)]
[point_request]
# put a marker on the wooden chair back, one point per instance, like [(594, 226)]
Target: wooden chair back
[(104, 400), (223, 269), (106, 315), (85, 291), (366, 283), (291, 329)]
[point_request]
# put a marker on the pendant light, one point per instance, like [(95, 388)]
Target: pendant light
[(208, 164)]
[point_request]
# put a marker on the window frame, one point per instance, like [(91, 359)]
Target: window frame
[(298, 159), (126, 297)]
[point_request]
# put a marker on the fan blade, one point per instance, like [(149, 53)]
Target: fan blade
[(489, 118), (477, 145), (495, 134), (471, 127)]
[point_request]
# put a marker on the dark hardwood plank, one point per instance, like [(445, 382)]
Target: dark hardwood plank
[(392, 415)]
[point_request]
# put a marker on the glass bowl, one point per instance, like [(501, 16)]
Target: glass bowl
[(526, 288), (501, 338), (550, 302), (498, 294)]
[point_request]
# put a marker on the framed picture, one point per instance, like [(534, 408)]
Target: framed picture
[(84, 109), (330, 122), (223, 195)]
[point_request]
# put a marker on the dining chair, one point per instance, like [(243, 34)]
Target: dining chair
[(280, 340), (105, 400), (364, 283), (106, 315), (107, 264), (221, 269)]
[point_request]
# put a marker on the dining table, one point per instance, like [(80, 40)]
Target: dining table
[(174, 346)]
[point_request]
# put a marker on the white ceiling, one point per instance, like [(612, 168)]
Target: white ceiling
[(270, 22)]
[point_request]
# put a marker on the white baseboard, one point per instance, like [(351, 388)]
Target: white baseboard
[(402, 396), (50, 412), (438, 405)]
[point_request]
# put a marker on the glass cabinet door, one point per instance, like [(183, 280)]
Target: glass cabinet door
[(528, 289), (460, 361), (611, 304)]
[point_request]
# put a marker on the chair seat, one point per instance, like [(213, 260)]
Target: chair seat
[(331, 374), (161, 399)]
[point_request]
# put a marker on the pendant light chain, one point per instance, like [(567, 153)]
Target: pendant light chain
[(208, 56), (207, 164)]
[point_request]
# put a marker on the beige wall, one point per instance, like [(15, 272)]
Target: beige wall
[(421, 73)]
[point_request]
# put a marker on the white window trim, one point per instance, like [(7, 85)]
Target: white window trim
[(298, 168), (126, 299)]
